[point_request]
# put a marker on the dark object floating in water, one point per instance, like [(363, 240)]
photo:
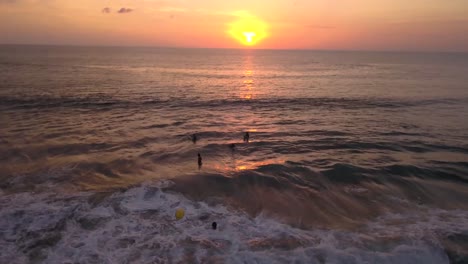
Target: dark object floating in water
[(214, 225), (200, 163), (232, 147), (246, 137)]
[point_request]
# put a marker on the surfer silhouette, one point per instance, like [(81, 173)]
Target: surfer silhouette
[(194, 138), (200, 163), (246, 137)]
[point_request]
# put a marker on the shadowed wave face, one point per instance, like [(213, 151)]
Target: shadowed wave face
[(351, 157)]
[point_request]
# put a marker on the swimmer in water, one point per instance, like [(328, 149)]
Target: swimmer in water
[(200, 163), (246, 137), (232, 147)]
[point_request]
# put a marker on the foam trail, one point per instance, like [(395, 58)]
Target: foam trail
[(138, 226)]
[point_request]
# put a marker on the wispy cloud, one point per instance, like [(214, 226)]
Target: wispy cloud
[(106, 10), (124, 10)]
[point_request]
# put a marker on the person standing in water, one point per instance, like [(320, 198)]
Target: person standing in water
[(194, 138), (232, 147), (246, 137), (200, 163)]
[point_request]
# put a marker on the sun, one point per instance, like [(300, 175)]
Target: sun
[(248, 30), (249, 36)]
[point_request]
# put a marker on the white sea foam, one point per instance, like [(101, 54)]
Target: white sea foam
[(138, 226)]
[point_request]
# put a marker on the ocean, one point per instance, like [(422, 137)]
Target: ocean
[(353, 157)]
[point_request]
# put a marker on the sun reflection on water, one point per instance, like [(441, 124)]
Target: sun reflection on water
[(248, 83), (244, 165)]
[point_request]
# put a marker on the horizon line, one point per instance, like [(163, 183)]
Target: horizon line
[(239, 48)]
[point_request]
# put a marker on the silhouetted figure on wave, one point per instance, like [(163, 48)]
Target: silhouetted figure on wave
[(246, 137), (194, 138), (200, 162), (232, 147)]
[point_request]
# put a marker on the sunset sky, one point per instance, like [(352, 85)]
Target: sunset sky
[(421, 25)]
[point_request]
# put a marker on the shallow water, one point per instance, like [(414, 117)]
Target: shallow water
[(353, 156)]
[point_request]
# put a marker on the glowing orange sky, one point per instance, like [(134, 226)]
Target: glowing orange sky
[(439, 25)]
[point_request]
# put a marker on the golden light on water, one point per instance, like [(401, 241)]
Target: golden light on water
[(248, 30), (247, 89), (251, 165), (242, 165)]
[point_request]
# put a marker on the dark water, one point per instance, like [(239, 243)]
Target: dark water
[(353, 156)]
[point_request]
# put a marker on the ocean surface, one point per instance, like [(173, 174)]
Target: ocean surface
[(353, 157)]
